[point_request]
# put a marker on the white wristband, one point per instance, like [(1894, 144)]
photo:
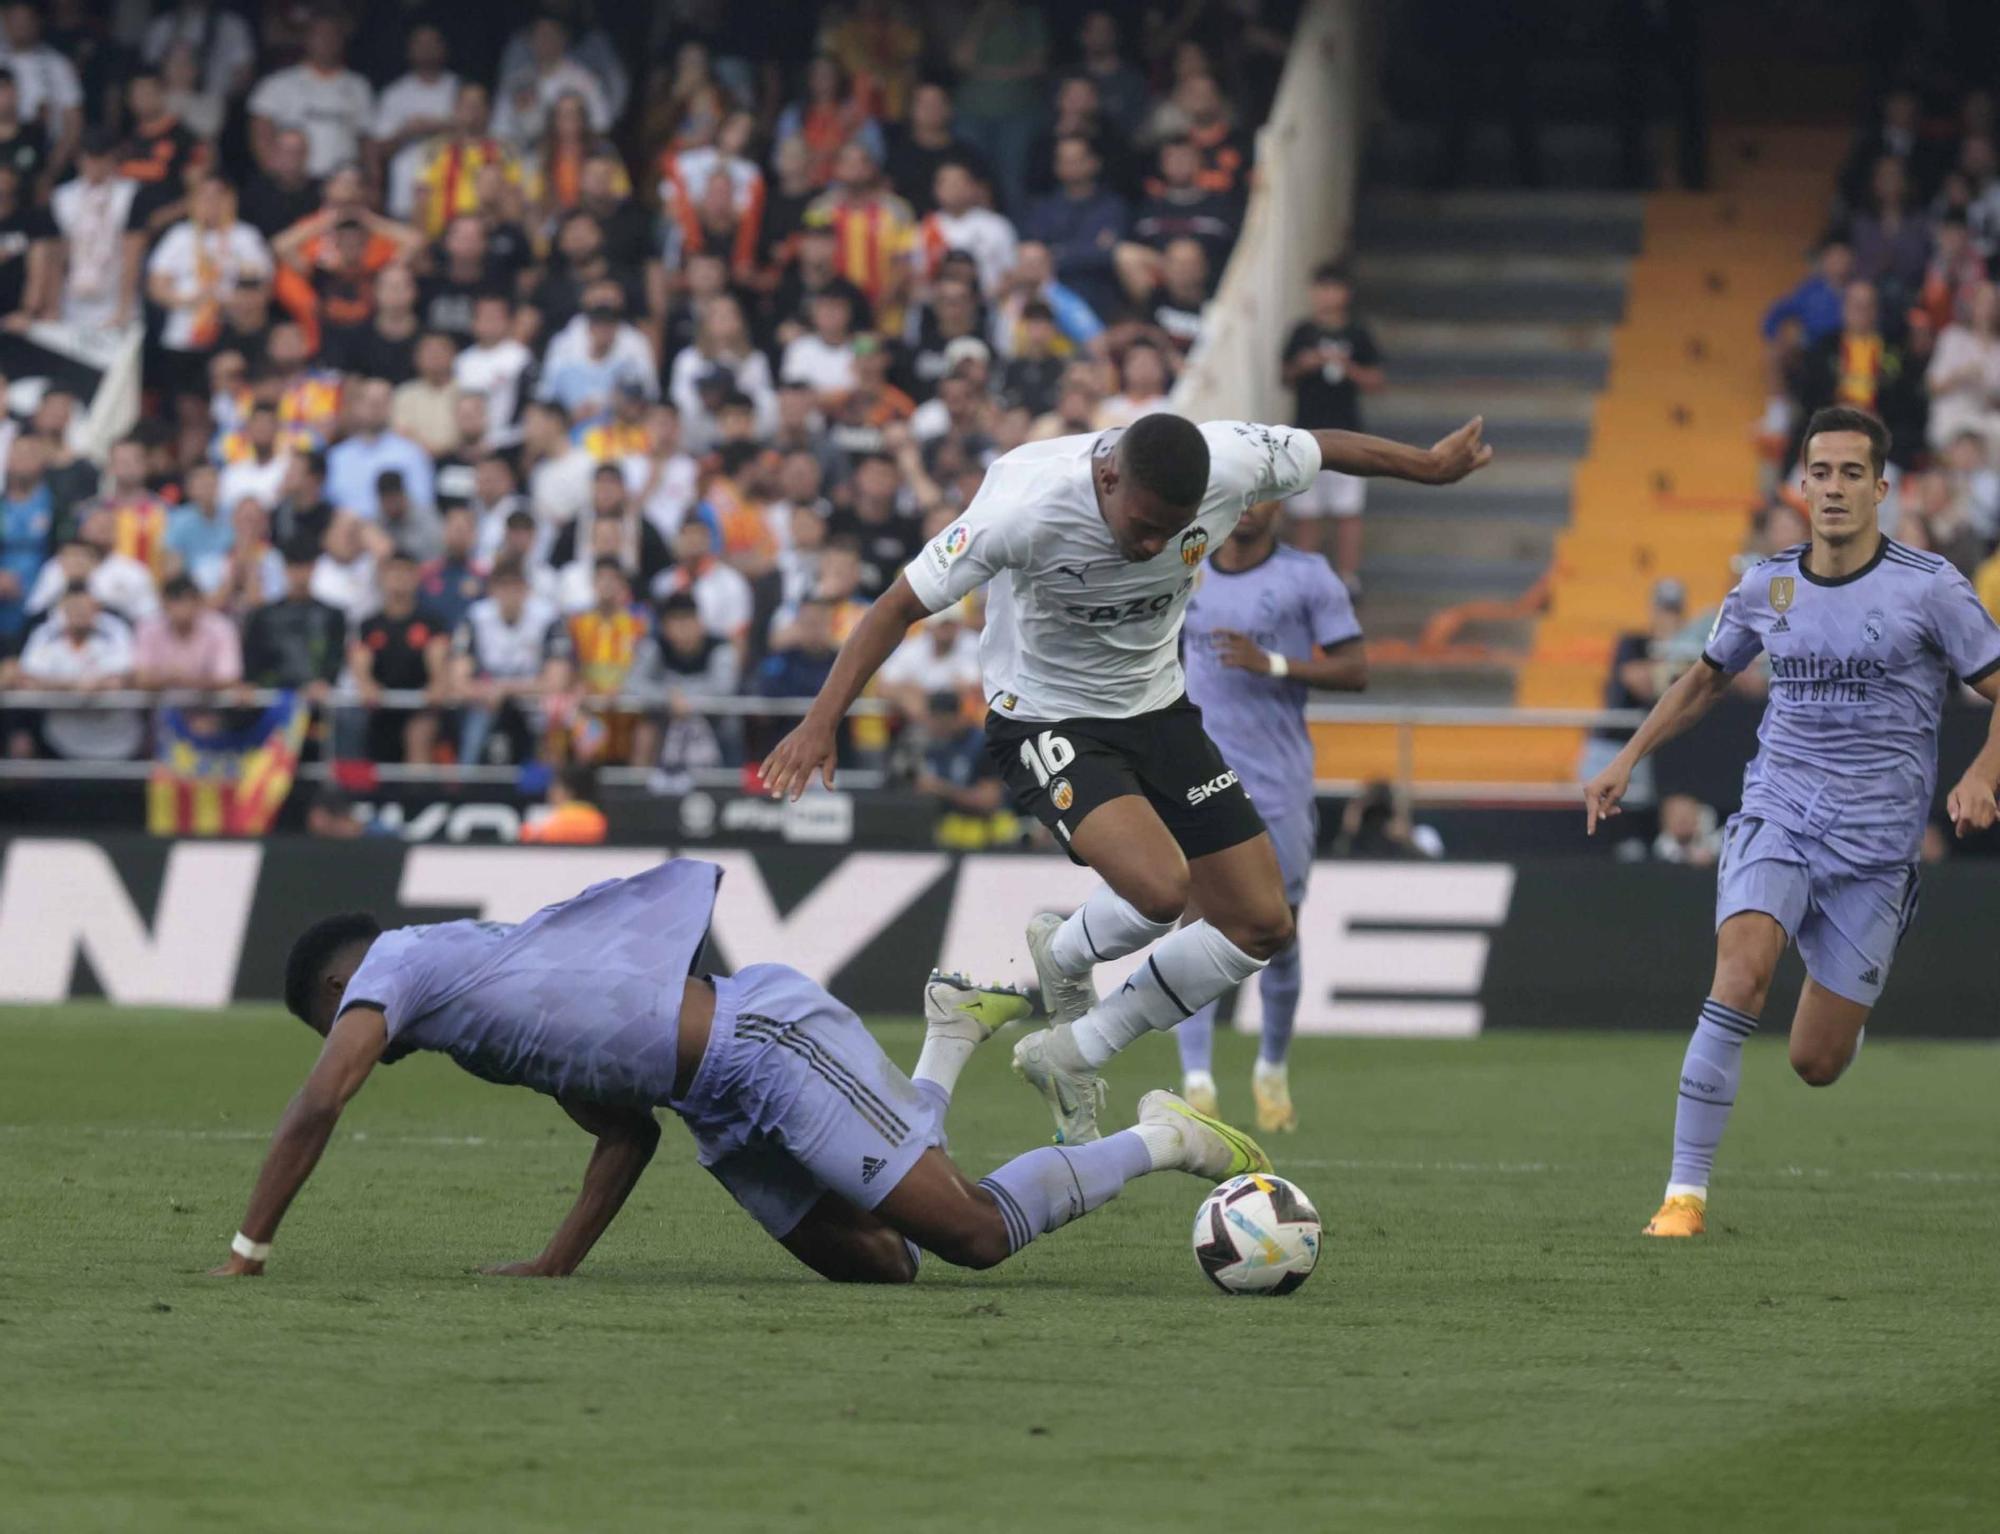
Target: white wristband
[(1279, 665), (252, 1251)]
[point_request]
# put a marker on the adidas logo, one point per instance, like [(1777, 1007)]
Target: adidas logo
[(1872, 975), (870, 1165), (1781, 626)]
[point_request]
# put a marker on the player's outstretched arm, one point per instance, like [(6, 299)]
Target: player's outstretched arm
[(1445, 462), (626, 1140), (1690, 697), (353, 1045), (1344, 668), (812, 746), (1970, 805)]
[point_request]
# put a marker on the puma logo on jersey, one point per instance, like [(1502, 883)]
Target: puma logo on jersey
[(1214, 786), (1076, 570)]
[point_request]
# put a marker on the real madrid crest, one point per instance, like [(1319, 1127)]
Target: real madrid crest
[(1871, 626), (1782, 587), (1194, 545)]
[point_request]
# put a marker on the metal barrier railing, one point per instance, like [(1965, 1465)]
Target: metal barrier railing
[(1405, 719)]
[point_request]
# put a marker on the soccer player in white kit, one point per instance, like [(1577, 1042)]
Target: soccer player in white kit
[(1090, 545)]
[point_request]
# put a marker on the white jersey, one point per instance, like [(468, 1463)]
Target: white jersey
[(1073, 628)]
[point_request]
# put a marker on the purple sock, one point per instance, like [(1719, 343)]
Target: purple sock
[(1279, 988), (1047, 1188), (1196, 1038)]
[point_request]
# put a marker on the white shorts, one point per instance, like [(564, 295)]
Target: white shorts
[(1332, 494)]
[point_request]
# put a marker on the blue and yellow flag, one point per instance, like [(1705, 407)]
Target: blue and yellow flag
[(224, 782)]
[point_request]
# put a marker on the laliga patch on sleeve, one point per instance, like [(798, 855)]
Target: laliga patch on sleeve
[(956, 539)]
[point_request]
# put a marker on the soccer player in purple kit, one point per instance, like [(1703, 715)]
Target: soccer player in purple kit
[(1864, 636), (793, 1106), (1266, 624)]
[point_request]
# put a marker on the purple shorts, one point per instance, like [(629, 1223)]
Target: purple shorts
[(1295, 833), (1846, 921), (794, 1097)]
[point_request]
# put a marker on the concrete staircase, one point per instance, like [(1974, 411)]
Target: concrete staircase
[(1489, 303)]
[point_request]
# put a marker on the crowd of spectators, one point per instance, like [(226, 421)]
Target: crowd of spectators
[(520, 359), (1899, 313)]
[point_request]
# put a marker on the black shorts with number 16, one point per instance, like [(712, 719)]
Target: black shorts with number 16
[(1059, 770)]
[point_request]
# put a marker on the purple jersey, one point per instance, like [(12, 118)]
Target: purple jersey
[(1847, 750), (582, 999), (1287, 603)]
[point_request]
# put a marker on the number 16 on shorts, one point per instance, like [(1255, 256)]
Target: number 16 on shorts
[(1047, 755)]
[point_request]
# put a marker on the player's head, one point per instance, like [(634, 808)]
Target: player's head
[(321, 963), (1152, 486), (1842, 464), (1255, 527)]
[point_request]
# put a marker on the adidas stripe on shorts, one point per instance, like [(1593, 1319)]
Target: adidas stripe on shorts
[(794, 1097)]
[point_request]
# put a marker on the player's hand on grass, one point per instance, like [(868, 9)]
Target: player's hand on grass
[(1970, 805), (1240, 651), (789, 769), (238, 1267), (1454, 457), (534, 1267), (1602, 793)]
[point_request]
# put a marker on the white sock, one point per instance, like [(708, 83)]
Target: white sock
[(1264, 1069), (1163, 1144), (1187, 971), (1688, 1190), (941, 1060), (1192, 1081), (1106, 926)]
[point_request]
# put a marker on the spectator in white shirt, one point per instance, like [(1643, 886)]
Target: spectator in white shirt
[(50, 93), (598, 352), (719, 590), (962, 222), (196, 265), (100, 252), (83, 649), (663, 480), (493, 366), (941, 656), (328, 102), (414, 109), (526, 96), (117, 581), (261, 476), (558, 471), (722, 353), (344, 575), (220, 39), (594, 49), (823, 358)]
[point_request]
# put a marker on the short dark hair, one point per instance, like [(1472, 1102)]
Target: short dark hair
[(1168, 455), (179, 588), (1330, 271), (314, 948), (302, 548), (507, 568), (1850, 418)]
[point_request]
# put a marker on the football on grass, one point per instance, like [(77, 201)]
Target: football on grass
[(1257, 1234)]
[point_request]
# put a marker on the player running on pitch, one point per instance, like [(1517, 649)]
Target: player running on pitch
[(792, 1104), (1091, 545), (1864, 636), (1265, 624)]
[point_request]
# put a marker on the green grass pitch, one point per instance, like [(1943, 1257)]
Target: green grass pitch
[(1488, 1344)]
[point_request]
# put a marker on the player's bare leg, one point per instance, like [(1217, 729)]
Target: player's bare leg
[(1747, 949), (1189, 968), (841, 1241), (1826, 1034)]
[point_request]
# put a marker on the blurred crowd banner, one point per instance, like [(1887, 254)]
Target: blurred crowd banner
[(99, 367), (1301, 212), (1402, 949)]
